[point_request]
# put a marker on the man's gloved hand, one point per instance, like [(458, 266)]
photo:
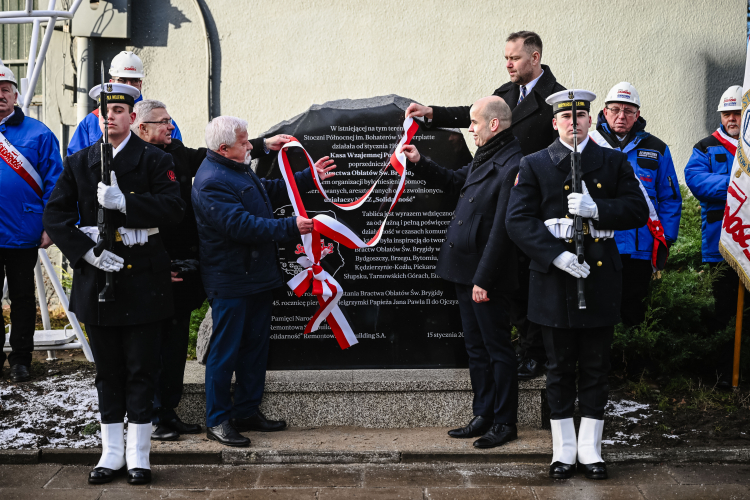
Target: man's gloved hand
[(107, 261), (110, 196), (568, 262), (583, 204), (132, 237)]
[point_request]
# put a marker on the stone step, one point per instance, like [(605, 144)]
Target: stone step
[(400, 398)]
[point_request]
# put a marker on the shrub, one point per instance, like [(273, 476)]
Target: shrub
[(196, 318)]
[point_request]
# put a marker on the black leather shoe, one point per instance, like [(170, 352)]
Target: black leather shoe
[(477, 427), (19, 373), (227, 435), (139, 476), (102, 475), (498, 435), (163, 433), (594, 471), (259, 423), (559, 470), (181, 427), (529, 369)]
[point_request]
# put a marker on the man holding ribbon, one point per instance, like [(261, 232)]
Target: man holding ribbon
[(239, 239), (479, 257), (30, 164)]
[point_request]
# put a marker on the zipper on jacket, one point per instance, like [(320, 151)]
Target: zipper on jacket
[(674, 193)]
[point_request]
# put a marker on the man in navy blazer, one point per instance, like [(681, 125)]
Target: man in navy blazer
[(479, 257), (238, 247)]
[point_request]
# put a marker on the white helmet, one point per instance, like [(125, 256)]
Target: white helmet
[(731, 99), (127, 65), (623, 92), (6, 75)]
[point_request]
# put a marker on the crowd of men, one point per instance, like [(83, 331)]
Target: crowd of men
[(198, 223)]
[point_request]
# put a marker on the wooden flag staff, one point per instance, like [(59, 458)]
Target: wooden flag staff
[(738, 334)]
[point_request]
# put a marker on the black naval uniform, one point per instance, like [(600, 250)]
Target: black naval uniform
[(124, 334), (181, 243), (571, 335)]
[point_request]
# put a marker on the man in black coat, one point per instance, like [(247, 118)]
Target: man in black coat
[(539, 217), (480, 259), (531, 82), (124, 334)]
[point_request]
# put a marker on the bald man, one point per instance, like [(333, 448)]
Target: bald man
[(480, 259)]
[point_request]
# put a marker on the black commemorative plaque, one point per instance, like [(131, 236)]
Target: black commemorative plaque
[(402, 313)]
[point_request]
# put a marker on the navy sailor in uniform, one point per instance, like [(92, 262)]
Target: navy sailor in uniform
[(539, 220), (125, 332)]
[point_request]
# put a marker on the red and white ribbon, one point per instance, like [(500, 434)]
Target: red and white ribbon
[(20, 165), (324, 286)]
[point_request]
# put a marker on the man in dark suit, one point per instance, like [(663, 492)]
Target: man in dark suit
[(480, 259), (124, 333), (541, 209), (531, 82)]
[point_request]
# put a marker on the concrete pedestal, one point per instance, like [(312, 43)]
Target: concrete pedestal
[(367, 398)]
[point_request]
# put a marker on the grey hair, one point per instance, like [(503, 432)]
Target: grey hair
[(143, 110), (224, 130)]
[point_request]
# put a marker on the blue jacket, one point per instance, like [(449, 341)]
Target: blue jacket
[(238, 232), (707, 175), (88, 132), (652, 162), (21, 207)]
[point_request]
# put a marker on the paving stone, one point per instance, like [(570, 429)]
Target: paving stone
[(141, 494), (370, 494), (630, 474), (412, 476), (76, 476), (40, 494), (27, 476), (593, 492), (714, 474), (694, 492), (265, 494), (511, 474), (209, 477), (506, 492), (310, 476)]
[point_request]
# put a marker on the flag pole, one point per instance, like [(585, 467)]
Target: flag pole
[(738, 334)]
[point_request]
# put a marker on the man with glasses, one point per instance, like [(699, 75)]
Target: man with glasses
[(621, 127), (126, 68)]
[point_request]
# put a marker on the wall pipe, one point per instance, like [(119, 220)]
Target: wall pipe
[(209, 74)]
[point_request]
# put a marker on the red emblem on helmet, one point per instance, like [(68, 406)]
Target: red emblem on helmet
[(129, 68), (171, 175)]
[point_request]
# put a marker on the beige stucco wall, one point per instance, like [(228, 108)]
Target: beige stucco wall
[(274, 60)]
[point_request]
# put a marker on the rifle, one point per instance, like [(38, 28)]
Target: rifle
[(104, 217), (575, 161)]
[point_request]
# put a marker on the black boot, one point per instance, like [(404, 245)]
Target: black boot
[(477, 427), (139, 476), (259, 423), (161, 432), (594, 471), (530, 368), (559, 470), (498, 435), (102, 475), (19, 373), (181, 427), (227, 435)]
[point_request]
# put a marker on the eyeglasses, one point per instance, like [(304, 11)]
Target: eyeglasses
[(167, 121), (629, 113)]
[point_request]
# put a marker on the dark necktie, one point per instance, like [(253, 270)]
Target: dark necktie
[(523, 94)]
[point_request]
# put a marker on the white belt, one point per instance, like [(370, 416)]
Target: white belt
[(563, 229), (93, 232)]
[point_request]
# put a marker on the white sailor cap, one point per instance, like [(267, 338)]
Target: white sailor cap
[(563, 100), (116, 93)]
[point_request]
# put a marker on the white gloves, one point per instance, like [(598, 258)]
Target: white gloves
[(110, 196), (132, 237), (583, 204), (568, 262), (107, 261)]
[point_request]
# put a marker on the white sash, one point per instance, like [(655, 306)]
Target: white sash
[(18, 162)]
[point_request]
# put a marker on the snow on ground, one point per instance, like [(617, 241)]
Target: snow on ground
[(623, 407), (49, 414)]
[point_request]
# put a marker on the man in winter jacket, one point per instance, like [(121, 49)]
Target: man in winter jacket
[(30, 164), (621, 127), (707, 175), (239, 239)]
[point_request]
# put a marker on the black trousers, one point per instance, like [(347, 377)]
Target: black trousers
[(173, 355), (636, 276), (492, 362), (725, 290), (17, 264), (588, 349), (530, 342), (127, 362)]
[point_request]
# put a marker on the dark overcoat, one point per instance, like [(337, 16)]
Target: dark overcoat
[(143, 293), (477, 249), (544, 183), (532, 118)]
